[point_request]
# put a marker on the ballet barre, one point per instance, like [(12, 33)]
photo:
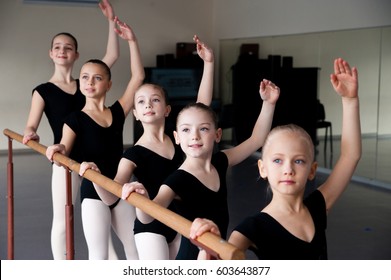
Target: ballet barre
[(213, 244)]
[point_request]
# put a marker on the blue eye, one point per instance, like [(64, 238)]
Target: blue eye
[(277, 160), (299, 161)]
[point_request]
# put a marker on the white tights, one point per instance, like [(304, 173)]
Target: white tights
[(58, 232), (153, 246), (97, 219)]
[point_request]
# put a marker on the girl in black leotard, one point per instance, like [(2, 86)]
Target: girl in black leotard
[(57, 98), (155, 156), (198, 187), (291, 227), (97, 130)]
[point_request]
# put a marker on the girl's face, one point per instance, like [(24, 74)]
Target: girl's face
[(63, 50), (196, 133), (287, 162), (150, 105), (94, 80)]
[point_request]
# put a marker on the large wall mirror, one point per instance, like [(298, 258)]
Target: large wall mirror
[(369, 50)]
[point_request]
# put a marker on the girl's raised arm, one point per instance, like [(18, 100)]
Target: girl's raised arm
[(205, 91), (269, 93), (112, 49), (136, 66), (345, 83)]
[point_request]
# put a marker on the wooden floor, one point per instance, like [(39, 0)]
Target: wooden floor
[(359, 225)]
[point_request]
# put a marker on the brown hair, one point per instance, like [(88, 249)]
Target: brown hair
[(101, 63), (157, 87), (68, 35), (202, 107)]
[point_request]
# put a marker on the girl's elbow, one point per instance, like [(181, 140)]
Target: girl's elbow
[(355, 155)]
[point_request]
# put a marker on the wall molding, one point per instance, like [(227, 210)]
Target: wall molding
[(62, 2)]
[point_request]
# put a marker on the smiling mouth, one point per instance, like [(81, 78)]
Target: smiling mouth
[(195, 146)]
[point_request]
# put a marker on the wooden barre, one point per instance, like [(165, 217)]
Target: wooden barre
[(214, 244)]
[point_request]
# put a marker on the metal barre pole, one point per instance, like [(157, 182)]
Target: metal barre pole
[(10, 200), (69, 221), (217, 246)]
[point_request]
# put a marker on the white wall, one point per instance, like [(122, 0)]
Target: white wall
[(26, 31), (254, 18)]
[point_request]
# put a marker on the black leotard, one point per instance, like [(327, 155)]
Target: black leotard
[(152, 169), (274, 242), (196, 200), (58, 105), (101, 145)]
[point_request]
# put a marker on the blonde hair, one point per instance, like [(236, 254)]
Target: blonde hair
[(292, 128)]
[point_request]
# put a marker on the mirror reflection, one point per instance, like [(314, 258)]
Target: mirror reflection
[(369, 50)]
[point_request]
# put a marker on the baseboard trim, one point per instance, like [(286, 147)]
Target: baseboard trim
[(361, 179)]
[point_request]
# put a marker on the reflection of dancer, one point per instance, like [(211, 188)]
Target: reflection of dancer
[(58, 98)]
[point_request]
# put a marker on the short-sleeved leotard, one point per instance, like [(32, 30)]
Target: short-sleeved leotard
[(196, 200), (101, 145), (152, 169), (58, 105), (274, 242)]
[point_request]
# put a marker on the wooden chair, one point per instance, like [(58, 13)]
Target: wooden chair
[(322, 123)]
